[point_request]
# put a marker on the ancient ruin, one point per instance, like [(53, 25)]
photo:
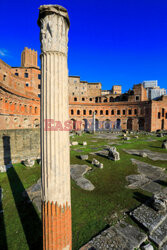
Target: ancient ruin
[(90, 107), (56, 200)]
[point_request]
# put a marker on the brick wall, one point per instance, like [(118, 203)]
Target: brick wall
[(19, 144)]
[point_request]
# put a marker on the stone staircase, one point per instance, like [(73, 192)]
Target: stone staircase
[(154, 222)]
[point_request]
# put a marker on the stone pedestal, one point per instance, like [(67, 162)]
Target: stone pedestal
[(56, 203)]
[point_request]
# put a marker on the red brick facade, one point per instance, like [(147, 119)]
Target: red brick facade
[(20, 101)]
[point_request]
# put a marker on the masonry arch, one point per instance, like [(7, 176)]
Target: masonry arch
[(107, 124), (117, 99), (84, 124), (111, 99), (118, 123), (96, 124)]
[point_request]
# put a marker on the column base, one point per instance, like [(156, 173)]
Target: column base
[(56, 226)]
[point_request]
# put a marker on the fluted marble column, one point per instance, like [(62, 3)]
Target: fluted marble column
[(54, 24)]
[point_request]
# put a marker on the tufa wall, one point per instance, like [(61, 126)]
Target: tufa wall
[(19, 144)]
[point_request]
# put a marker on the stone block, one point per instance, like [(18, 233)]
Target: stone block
[(147, 247), (143, 154), (74, 143), (29, 162), (127, 138), (164, 144), (84, 157), (148, 217), (159, 236), (113, 154)]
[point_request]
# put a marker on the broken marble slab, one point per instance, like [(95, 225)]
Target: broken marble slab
[(137, 181), (150, 171), (159, 236), (148, 217), (120, 237), (77, 174), (152, 187), (152, 155)]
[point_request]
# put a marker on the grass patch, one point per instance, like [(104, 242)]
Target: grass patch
[(20, 224)]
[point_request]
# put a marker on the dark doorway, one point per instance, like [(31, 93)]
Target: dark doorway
[(118, 124), (141, 123), (162, 124), (129, 124)]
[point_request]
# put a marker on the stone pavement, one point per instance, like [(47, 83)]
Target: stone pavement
[(155, 156), (155, 222), (119, 237), (149, 177)]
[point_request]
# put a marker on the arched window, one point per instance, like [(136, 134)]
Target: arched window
[(90, 112), (101, 112), (106, 112), (135, 111), (84, 112), (72, 111), (78, 112), (112, 112), (75, 99)]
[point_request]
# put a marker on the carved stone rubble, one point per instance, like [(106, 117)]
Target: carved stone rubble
[(160, 201), (97, 163), (113, 154)]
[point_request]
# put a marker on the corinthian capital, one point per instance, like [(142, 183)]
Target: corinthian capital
[(54, 24)]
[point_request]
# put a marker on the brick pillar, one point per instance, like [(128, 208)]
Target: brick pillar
[(56, 199)]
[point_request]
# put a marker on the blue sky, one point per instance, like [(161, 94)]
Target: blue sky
[(110, 41)]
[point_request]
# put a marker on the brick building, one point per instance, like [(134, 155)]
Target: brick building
[(20, 101)]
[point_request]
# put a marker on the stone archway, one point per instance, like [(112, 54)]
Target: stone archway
[(84, 125), (118, 123), (107, 124), (129, 124), (96, 124)]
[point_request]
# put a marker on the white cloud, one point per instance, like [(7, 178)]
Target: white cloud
[(3, 52)]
